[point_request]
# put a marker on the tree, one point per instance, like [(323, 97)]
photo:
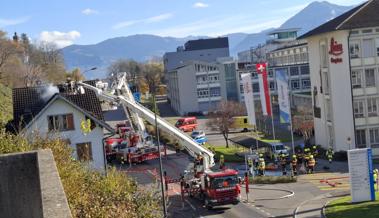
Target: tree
[(152, 74), (75, 75), (222, 120), (7, 50), (302, 123)]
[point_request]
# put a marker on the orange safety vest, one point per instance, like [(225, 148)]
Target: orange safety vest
[(311, 162), (294, 162)]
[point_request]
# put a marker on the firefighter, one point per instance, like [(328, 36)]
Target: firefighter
[(314, 151), (222, 161), (294, 164), (283, 162), (261, 165), (250, 165), (376, 179), (306, 156), (129, 158), (329, 154), (311, 164)]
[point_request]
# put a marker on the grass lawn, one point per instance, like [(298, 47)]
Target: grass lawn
[(229, 153), (342, 208)]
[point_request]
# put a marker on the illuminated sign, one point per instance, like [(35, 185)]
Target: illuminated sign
[(336, 49)]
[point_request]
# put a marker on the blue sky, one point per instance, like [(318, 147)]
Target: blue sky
[(91, 21)]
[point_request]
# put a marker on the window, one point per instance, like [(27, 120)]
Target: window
[(377, 46), (272, 86), (202, 93), (323, 53), (374, 136), (270, 73), (306, 83), (367, 48), (358, 109), (372, 109), (215, 92), (356, 78), (63, 122), (84, 151), (294, 71), (354, 49), (256, 87), (370, 77), (304, 70), (361, 138), (295, 84)]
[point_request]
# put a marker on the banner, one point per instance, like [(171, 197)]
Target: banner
[(249, 97), (283, 97), (263, 88)]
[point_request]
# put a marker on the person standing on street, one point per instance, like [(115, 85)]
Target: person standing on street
[(311, 164), (294, 164), (329, 155), (261, 165)]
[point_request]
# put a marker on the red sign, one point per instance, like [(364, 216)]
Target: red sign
[(336, 49)]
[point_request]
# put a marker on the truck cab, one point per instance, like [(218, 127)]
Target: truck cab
[(220, 188)]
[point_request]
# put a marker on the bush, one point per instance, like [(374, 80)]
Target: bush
[(272, 179), (90, 193)]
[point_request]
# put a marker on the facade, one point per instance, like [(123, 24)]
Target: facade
[(198, 87), (344, 65), (61, 116), (207, 50)]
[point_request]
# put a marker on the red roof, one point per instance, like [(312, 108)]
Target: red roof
[(227, 172)]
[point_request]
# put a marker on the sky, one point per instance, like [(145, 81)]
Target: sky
[(91, 21)]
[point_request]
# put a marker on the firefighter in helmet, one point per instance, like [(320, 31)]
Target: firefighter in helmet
[(222, 161), (283, 162), (314, 151), (329, 154), (294, 164), (376, 179), (261, 165), (311, 164), (307, 154)]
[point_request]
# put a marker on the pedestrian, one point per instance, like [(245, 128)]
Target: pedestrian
[(329, 155), (283, 163), (261, 165), (250, 165)]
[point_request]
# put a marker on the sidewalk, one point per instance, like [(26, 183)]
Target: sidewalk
[(312, 208)]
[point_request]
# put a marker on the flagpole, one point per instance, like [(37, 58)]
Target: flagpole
[(272, 118), (289, 102)]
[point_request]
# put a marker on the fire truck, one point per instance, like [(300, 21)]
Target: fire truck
[(213, 187)]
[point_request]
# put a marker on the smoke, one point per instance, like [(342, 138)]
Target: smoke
[(48, 91)]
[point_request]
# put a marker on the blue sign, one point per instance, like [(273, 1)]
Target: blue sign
[(137, 96)]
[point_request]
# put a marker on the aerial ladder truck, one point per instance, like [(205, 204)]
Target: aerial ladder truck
[(214, 188)]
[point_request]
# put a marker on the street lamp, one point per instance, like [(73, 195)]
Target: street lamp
[(348, 140), (93, 68)]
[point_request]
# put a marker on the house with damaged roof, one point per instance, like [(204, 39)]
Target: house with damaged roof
[(50, 111)]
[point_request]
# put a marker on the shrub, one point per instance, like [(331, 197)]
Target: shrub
[(90, 193), (272, 179)]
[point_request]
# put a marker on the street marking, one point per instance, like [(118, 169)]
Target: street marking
[(193, 207)]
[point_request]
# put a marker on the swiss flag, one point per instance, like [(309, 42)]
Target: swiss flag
[(264, 88)]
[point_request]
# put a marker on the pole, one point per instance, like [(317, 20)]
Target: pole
[(293, 141), (160, 157), (272, 118), (247, 186)]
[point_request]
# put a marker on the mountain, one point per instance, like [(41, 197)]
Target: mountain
[(143, 47)]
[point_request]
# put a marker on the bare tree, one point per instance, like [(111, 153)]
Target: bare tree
[(221, 119), (302, 122), (7, 50)]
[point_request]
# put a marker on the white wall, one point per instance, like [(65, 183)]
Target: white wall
[(342, 125), (40, 126)]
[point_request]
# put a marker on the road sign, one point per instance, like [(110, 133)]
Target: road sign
[(361, 175)]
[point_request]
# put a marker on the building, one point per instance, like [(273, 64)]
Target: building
[(344, 66), (198, 87), (207, 50), (46, 111)]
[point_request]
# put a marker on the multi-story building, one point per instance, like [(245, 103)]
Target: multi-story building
[(344, 66), (197, 86), (207, 50)]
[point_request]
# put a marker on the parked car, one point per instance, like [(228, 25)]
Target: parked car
[(187, 124), (200, 139), (197, 133)]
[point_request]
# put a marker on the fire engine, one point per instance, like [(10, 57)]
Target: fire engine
[(213, 187)]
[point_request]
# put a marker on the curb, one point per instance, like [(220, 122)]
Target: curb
[(323, 214), (291, 194)]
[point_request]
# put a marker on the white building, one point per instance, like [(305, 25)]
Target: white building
[(344, 65), (60, 115)]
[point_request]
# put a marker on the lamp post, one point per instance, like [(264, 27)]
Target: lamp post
[(348, 140)]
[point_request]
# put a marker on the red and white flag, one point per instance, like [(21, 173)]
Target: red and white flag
[(264, 88)]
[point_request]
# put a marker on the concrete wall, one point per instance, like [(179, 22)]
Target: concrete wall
[(20, 191), (187, 89), (40, 126)]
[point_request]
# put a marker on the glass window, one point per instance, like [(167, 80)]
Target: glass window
[(377, 46), (361, 138), (63, 122), (354, 49), (270, 73), (358, 109), (202, 93), (294, 71), (255, 87), (374, 136), (84, 151), (356, 78), (367, 48), (272, 86), (295, 84), (215, 92), (306, 83), (370, 77), (304, 70), (372, 110)]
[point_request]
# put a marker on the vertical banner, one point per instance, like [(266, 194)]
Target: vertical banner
[(283, 97), (263, 88), (249, 97)]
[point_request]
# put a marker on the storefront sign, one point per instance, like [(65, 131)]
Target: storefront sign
[(336, 49)]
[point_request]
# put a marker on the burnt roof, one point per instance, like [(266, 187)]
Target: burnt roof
[(364, 15), (29, 101)]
